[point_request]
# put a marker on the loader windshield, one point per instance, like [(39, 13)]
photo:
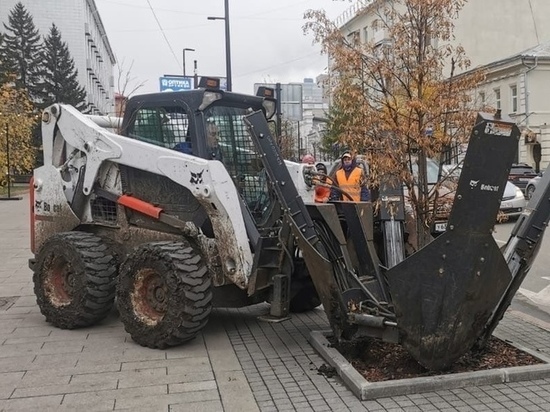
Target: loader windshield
[(228, 141)]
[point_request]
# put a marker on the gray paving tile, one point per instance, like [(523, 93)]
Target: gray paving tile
[(35, 403)]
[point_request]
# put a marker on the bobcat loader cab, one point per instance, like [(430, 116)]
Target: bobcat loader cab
[(207, 123)]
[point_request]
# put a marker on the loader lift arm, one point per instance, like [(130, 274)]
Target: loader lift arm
[(64, 125), (323, 244), (522, 248)]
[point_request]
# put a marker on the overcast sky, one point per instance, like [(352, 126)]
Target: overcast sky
[(267, 41)]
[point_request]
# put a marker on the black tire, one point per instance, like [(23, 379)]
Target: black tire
[(74, 280), (164, 294), (306, 299), (303, 294)]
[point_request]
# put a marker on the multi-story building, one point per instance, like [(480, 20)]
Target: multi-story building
[(304, 108), (508, 39), (519, 86), (315, 108), (81, 28)]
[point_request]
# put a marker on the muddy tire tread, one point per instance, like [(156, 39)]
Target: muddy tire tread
[(94, 298), (190, 294)]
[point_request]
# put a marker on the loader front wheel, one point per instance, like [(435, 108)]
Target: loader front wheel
[(164, 294), (74, 280)]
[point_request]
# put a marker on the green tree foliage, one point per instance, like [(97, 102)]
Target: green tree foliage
[(17, 120), (3, 68), (59, 83), (20, 49)]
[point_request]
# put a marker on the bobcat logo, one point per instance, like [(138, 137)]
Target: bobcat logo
[(473, 184), (196, 178)]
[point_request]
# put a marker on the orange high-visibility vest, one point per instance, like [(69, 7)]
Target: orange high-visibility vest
[(352, 184)]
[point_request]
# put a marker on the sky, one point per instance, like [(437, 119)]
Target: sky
[(267, 41)]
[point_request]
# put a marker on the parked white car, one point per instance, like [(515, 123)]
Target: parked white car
[(531, 186), (513, 201)]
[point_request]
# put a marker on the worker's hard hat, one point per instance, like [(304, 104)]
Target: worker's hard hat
[(347, 154), (309, 159)]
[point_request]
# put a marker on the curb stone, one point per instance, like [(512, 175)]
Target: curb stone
[(366, 390)]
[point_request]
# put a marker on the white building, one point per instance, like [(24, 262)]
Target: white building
[(81, 28), (507, 38), (304, 109), (315, 109), (520, 85), (489, 30)]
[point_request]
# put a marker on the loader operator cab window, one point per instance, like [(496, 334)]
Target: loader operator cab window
[(166, 127), (213, 140), (227, 140)]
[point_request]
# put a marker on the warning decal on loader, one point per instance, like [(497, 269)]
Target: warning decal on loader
[(498, 129)]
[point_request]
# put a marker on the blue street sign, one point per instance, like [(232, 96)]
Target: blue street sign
[(175, 84)]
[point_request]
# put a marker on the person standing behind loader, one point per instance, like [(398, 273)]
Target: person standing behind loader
[(351, 179)]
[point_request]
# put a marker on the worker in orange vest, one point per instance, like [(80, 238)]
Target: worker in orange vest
[(322, 189), (351, 179)]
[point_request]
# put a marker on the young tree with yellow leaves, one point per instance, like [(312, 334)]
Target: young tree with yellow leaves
[(17, 120), (400, 102)]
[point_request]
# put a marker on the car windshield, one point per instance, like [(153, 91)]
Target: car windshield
[(433, 170)]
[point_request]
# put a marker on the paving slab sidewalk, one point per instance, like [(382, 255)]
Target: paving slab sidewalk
[(237, 364)]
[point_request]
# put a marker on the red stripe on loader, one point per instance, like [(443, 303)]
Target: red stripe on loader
[(140, 206)]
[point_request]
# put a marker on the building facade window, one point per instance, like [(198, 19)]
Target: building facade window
[(498, 102), (482, 99), (354, 39), (514, 98), (365, 34)]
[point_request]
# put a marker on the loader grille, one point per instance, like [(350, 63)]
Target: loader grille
[(104, 211)]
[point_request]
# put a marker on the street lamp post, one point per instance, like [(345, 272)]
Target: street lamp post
[(227, 44), (184, 50), (8, 175), (8, 158)]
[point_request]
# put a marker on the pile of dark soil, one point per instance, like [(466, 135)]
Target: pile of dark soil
[(379, 361)]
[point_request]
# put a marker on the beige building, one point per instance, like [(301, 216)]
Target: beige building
[(509, 39)]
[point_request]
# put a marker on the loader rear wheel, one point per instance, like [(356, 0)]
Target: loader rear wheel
[(164, 294), (74, 280)]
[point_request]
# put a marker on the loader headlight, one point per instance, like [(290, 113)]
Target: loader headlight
[(208, 98)]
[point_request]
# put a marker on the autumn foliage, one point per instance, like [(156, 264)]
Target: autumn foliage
[(17, 120), (400, 101)]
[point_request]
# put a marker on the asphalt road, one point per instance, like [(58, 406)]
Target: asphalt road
[(533, 297)]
